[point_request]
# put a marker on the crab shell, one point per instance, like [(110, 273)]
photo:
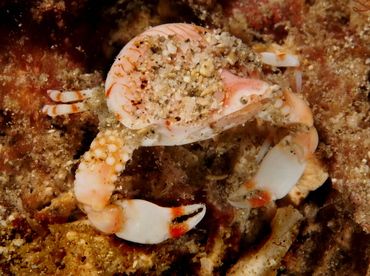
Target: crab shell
[(122, 83)]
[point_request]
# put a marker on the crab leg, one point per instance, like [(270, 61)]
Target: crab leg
[(67, 97), (62, 109), (284, 60), (279, 171), (285, 163), (134, 220)]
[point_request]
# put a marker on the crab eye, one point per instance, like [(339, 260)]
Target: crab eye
[(243, 100)]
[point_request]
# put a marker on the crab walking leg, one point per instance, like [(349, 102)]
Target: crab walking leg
[(67, 97), (284, 60), (134, 220), (62, 109)]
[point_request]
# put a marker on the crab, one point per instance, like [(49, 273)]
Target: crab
[(176, 84)]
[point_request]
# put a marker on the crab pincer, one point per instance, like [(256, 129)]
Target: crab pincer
[(144, 222), (134, 220), (284, 164)]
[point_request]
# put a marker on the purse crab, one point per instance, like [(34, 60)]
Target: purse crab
[(176, 84)]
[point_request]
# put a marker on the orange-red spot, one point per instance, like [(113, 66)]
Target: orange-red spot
[(281, 56), (79, 95), (168, 123), (176, 230), (74, 108), (59, 97), (108, 91), (262, 199), (54, 110), (177, 212), (250, 185)]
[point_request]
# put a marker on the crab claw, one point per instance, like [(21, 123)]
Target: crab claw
[(143, 222), (279, 171)]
